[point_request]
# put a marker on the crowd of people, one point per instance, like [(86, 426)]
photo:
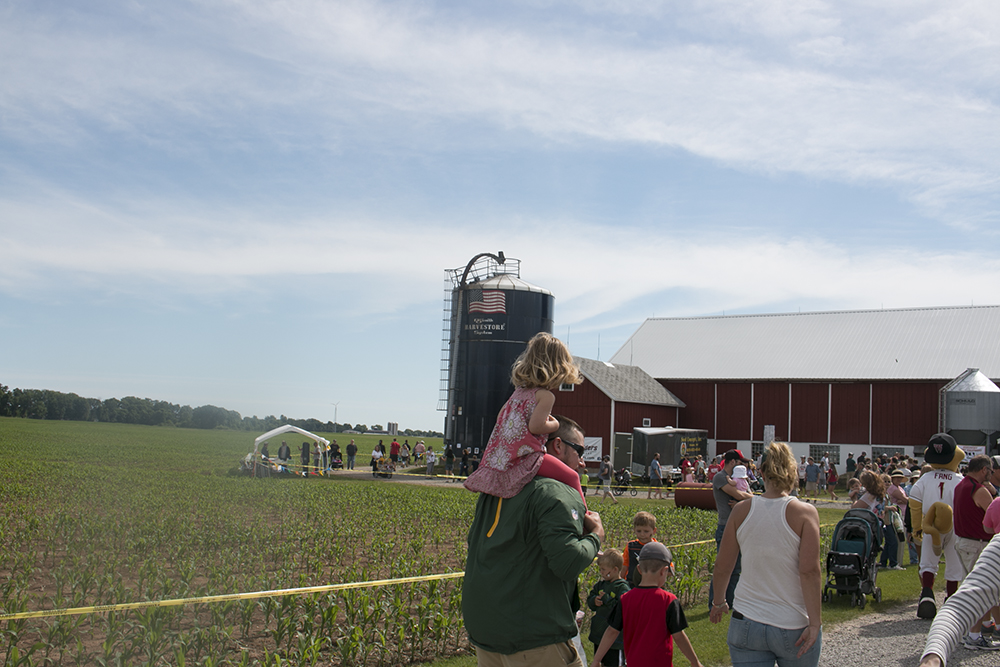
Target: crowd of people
[(318, 457), (768, 572)]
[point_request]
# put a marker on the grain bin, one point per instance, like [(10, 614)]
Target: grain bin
[(971, 408), (490, 314)]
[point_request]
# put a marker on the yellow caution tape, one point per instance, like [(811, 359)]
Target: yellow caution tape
[(209, 599)]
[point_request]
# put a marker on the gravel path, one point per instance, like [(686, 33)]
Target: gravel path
[(891, 639)]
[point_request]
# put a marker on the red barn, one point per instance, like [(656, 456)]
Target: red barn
[(613, 399), (837, 382)]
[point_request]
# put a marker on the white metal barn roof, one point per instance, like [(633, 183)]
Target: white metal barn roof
[(905, 344)]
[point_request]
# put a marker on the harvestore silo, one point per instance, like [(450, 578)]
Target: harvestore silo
[(971, 410), (490, 313)]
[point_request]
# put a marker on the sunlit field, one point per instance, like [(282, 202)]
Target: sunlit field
[(101, 514)]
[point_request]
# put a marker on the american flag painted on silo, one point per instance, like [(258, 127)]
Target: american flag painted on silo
[(487, 301)]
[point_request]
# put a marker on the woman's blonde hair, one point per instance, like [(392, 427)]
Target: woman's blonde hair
[(545, 363), (778, 466)]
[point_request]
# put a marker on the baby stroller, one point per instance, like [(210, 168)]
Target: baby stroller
[(384, 468), (852, 562), (623, 481)]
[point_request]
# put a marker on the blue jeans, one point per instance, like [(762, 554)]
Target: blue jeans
[(350, 461), (734, 578), (891, 548), (753, 644)]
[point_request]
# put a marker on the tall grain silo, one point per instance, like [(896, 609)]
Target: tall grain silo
[(490, 314), (971, 410)]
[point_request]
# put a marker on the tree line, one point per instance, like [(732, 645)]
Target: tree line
[(49, 404)]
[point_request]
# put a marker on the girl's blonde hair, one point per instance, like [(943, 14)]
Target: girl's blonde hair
[(778, 466), (545, 363), (873, 484)]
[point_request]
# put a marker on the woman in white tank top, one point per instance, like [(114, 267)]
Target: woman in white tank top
[(777, 614)]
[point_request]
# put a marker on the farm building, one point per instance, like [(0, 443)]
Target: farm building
[(614, 399), (836, 382)]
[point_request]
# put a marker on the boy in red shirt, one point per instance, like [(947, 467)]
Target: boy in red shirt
[(650, 617)]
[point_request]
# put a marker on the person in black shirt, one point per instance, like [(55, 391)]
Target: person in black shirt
[(352, 452)]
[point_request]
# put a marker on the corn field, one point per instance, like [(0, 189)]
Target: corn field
[(103, 514)]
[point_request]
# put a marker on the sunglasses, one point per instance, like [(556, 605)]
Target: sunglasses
[(579, 449)]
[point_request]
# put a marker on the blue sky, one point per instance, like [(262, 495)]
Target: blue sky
[(252, 204)]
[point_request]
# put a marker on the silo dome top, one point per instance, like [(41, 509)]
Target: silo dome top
[(972, 380), (508, 281)]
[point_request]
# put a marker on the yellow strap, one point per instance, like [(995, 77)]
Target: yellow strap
[(209, 599), (227, 597), (489, 533)]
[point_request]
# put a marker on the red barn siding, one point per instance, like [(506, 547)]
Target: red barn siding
[(630, 415), (589, 407), (809, 410), (916, 401), (733, 411), (700, 400), (770, 406), (901, 413), (849, 413)]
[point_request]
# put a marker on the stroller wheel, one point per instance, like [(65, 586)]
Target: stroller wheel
[(862, 601), (878, 595), (634, 491)]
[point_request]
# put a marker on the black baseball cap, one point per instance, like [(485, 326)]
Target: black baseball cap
[(733, 455)]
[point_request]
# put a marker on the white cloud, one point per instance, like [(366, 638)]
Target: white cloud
[(848, 93), (594, 271)]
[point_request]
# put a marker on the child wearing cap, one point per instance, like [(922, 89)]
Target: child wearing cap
[(603, 600), (644, 525), (650, 618), (740, 479)]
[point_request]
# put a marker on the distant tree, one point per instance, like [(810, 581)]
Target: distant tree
[(49, 404), (77, 408), (208, 416), (185, 417), (28, 403), (310, 424), (110, 410)]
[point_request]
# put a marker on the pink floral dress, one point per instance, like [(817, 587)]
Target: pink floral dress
[(513, 454)]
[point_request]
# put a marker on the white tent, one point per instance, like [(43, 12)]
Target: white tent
[(287, 428)]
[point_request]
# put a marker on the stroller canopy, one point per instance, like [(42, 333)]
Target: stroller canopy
[(287, 428)]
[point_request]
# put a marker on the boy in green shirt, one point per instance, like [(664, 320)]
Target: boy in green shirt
[(603, 600)]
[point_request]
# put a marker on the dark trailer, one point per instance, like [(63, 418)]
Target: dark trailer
[(672, 444)]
